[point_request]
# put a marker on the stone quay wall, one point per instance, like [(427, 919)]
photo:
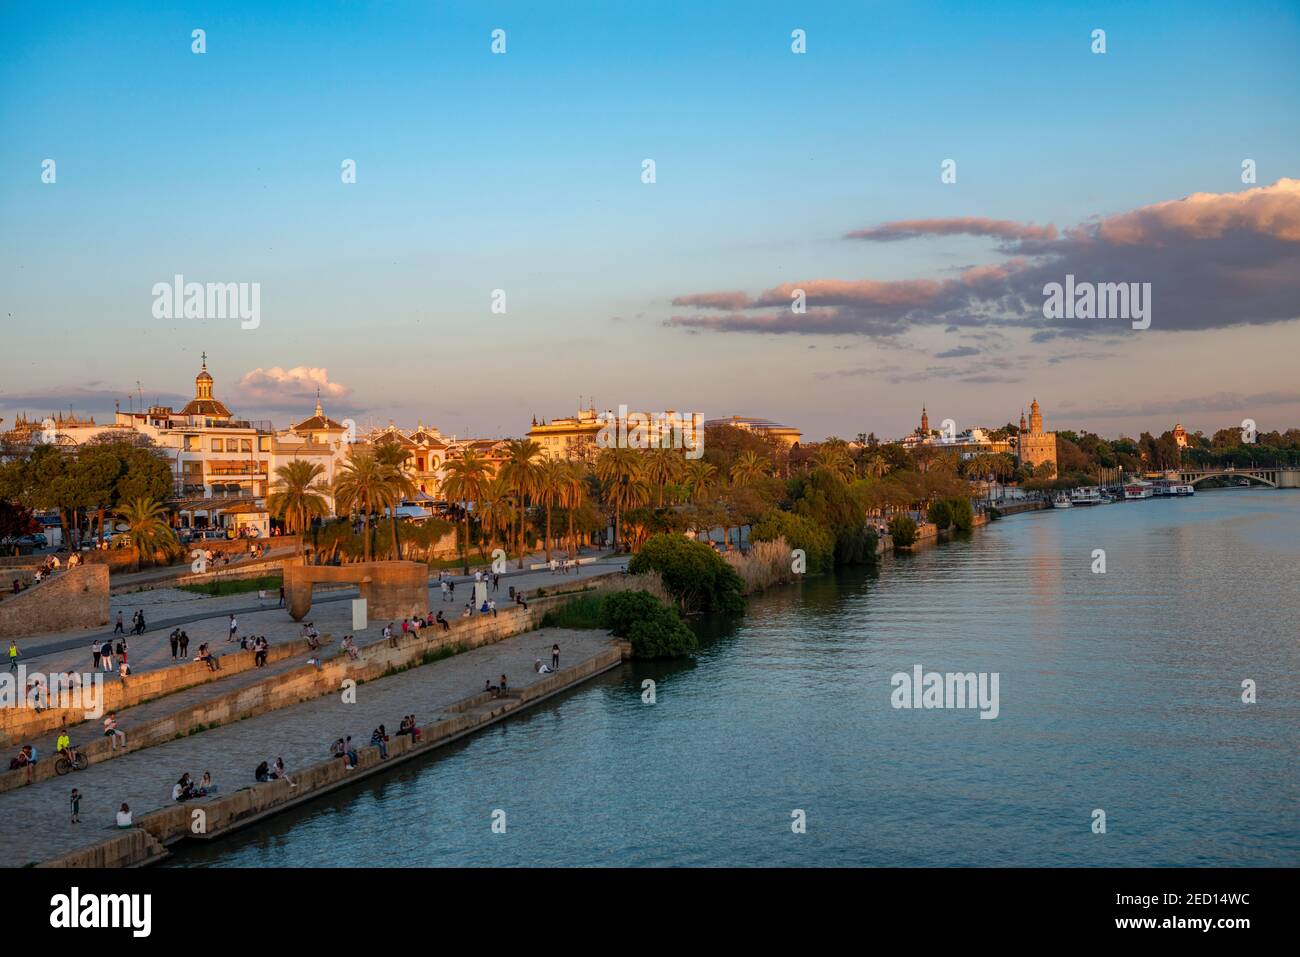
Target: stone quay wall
[(213, 818), (70, 598)]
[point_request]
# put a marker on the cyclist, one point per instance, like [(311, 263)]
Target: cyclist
[(64, 746)]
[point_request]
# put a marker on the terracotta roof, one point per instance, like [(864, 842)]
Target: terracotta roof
[(211, 407), (318, 423)]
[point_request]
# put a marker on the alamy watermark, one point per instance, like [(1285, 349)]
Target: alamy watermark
[(930, 689), (1106, 300), (38, 691), (211, 300), (645, 430)]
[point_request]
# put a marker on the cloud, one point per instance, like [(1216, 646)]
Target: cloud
[(277, 388), (1213, 261), (954, 226), (1214, 402), (957, 353), (91, 398)]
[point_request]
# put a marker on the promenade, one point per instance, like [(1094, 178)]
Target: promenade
[(206, 619), (301, 734)]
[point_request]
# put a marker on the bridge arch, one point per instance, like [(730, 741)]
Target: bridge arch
[(1256, 476)]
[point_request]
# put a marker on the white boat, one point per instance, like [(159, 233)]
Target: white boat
[(1087, 495), (1137, 490), (1182, 490), (1061, 501)]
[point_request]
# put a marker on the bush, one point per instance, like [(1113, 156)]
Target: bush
[(902, 530), (963, 515), (654, 629), (855, 546), (698, 578), (940, 515), (799, 532)]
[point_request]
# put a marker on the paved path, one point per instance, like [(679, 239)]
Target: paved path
[(38, 815), (152, 650), (207, 619)]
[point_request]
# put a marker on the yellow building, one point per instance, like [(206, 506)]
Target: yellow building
[(570, 436), (1033, 445)]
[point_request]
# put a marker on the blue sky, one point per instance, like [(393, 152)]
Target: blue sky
[(522, 172)]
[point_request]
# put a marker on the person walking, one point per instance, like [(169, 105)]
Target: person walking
[(281, 596), (106, 655), (555, 657), (119, 629), (174, 639), (13, 655), (95, 651), (76, 806), (234, 628), (184, 642)]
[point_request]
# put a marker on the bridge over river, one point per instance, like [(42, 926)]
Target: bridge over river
[(1273, 477)]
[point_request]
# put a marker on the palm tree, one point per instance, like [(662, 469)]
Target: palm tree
[(297, 497), (550, 492), (362, 484), (699, 478), (573, 492), (748, 469), (663, 467), (618, 469), (146, 521), (496, 510), (522, 472), (877, 466), (834, 458), (393, 457), (466, 480)]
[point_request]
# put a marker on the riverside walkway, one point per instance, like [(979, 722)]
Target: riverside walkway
[(206, 619), (301, 734)]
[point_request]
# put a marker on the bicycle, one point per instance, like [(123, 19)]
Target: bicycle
[(78, 762)]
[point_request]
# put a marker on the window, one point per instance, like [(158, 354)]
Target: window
[(193, 443), (216, 445), (263, 443)]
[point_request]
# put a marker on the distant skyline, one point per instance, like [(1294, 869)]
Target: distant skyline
[(775, 172)]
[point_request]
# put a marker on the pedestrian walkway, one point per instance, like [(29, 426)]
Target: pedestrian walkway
[(208, 620), (301, 734)]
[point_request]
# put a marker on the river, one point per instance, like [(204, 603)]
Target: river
[(1118, 692)]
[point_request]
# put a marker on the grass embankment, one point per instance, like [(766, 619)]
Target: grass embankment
[(236, 586)]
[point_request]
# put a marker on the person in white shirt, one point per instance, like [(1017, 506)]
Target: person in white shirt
[(124, 816)]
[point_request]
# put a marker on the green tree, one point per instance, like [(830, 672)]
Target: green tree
[(146, 522), (465, 482), (522, 472), (362, 485), (697, 577), (902, 530), (297, 496)]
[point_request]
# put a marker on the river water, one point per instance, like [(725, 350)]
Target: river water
[(1118, 692)]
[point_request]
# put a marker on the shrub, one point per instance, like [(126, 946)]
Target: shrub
[(855, 546), (963, 515), (654, 628), (799, 531), (902, 530), (697, 577), (940, 515)]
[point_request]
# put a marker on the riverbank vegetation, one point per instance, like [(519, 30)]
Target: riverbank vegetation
[(652, 626)]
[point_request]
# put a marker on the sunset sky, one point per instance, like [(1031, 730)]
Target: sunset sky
[(775, 171)]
